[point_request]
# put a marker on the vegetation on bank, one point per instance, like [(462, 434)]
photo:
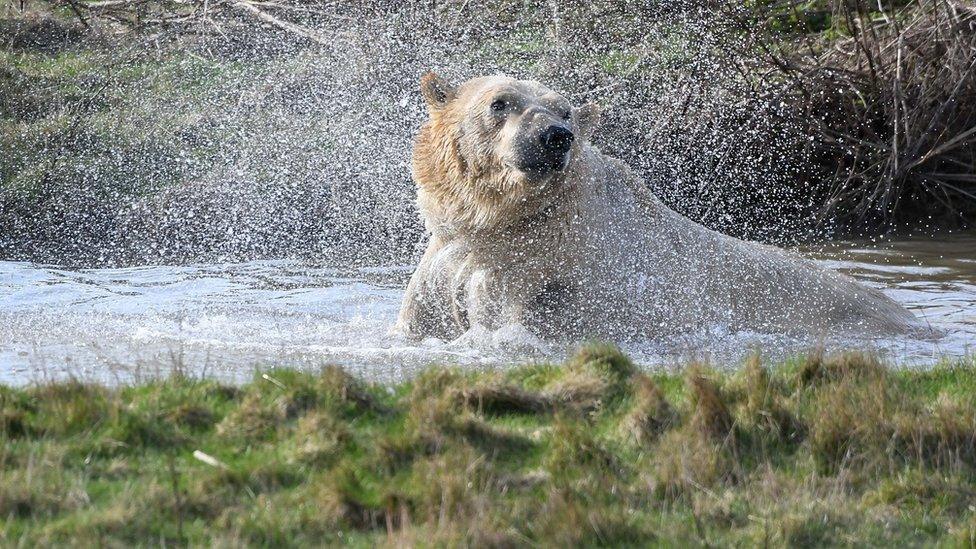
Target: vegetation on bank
[(821, 450), (135, 152), (888, 92), (135, 132)]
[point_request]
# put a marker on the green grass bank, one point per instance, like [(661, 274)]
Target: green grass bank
[(818, 450)]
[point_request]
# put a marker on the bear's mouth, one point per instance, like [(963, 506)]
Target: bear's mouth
[(542, 167)]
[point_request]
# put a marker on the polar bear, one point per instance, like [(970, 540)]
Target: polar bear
[(531, 225)]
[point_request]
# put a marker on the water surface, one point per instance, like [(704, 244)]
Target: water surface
[(228, 320)]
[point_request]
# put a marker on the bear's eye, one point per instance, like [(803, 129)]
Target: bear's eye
[(498, 105)]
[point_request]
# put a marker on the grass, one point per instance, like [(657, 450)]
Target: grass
[(820, 450)]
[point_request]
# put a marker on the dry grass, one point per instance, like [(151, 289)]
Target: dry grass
[(888, 92), (650, 415), (710, 413)]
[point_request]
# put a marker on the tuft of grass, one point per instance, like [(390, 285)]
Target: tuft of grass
[(255, 419), (845, 366), (650, 414), (575, 447), (25, 495), (191, 415), (503, 398), (839, 450), (604, 360), (686, 463), (347, 394), (68, 407), (763, 404), (320, 439), (710, 413)]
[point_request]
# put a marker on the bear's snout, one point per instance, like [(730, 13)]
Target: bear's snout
[(556, 140)]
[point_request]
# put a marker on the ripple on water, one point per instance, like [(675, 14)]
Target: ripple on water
[(227, 320)]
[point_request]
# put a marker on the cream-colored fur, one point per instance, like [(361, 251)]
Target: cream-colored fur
[(588, 251)]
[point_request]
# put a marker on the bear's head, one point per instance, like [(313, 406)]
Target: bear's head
[(495, 150)]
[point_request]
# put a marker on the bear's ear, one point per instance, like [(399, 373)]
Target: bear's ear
[(588, 118), (436, 91)]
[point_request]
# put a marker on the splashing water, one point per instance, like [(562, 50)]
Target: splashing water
[(220, 155), (212, 149), (226, 320)]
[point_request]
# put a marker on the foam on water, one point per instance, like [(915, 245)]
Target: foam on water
[(227, 320)]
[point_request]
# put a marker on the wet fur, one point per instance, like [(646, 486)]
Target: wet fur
[(592, 253)]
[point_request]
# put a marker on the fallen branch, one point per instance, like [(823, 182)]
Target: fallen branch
[(284, 25)]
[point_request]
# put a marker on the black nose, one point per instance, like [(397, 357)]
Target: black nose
[(557, 139)]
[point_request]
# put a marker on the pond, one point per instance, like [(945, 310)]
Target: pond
[(228, 320)]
